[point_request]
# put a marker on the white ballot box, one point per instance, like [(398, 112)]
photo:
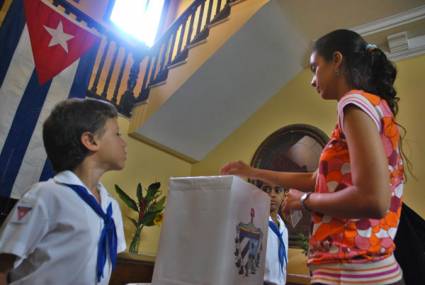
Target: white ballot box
[(214, 232)]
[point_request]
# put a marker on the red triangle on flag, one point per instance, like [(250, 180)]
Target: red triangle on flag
[(56, 40)]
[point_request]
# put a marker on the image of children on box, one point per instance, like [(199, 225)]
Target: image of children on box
[(68, 230)]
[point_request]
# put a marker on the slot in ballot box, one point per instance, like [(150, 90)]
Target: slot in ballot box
[(214, 232)]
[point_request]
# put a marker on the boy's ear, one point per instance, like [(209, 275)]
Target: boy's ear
[(89, 141)]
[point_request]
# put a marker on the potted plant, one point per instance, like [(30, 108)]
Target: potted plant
[(304, 243), (149, 206)]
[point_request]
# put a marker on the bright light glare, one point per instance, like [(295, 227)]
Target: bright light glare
[(138, 19)]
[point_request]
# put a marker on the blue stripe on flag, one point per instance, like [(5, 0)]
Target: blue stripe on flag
[(20, 132), (11, 30), (82, 76), (78, 90), (47, 172)]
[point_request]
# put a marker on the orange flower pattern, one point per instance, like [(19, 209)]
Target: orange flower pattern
[(337, 240)]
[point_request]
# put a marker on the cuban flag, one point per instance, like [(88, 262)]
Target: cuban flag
[(45, 57)]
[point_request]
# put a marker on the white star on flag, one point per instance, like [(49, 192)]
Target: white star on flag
[(59, 37)]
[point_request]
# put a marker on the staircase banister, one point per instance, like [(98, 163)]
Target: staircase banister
[(176, 23)]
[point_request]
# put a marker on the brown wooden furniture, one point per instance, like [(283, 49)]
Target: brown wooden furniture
[(139, 269), (297, 279), (132, 269)]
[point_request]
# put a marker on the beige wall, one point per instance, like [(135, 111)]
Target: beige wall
[(183, 5), (144, 164), (411, 89)]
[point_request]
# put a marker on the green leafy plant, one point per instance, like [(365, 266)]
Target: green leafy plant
[(150, 206), (303, 243)]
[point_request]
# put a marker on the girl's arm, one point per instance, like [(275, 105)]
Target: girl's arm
[(303, 181), (370, 194)]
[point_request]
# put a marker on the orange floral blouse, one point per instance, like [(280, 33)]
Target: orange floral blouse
[(336, 240)]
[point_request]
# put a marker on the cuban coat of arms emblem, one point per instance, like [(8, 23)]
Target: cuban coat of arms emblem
[(248, 247)]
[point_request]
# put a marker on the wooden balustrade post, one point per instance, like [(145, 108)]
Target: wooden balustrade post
[(218, 8), (93, 89), (118, 83), (189, 33), (200, 18), (210, 5), (111, 70), (170, 57), (127, 100)]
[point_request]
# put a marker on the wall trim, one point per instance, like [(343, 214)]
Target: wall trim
[(390, 22), (401, 49)]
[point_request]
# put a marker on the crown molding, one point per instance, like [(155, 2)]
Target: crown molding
[(416, 47), (400, 46), (390, 22)]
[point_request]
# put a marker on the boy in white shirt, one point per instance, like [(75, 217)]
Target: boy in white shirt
[(68, 230), (277, 240)]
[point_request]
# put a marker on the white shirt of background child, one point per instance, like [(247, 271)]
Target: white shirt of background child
[(272, 272)]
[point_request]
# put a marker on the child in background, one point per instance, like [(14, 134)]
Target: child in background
[(69, 229), (277, 240)]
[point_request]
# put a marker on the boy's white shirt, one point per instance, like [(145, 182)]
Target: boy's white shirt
[(272, 272), (55, 234)]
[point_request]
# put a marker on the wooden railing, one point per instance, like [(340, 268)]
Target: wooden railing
[(124, 72)]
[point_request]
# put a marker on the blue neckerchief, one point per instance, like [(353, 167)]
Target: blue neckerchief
[(108, 237), (282, 249)]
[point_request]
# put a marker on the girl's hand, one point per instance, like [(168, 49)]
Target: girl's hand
[(292, 201), (238, 168)]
